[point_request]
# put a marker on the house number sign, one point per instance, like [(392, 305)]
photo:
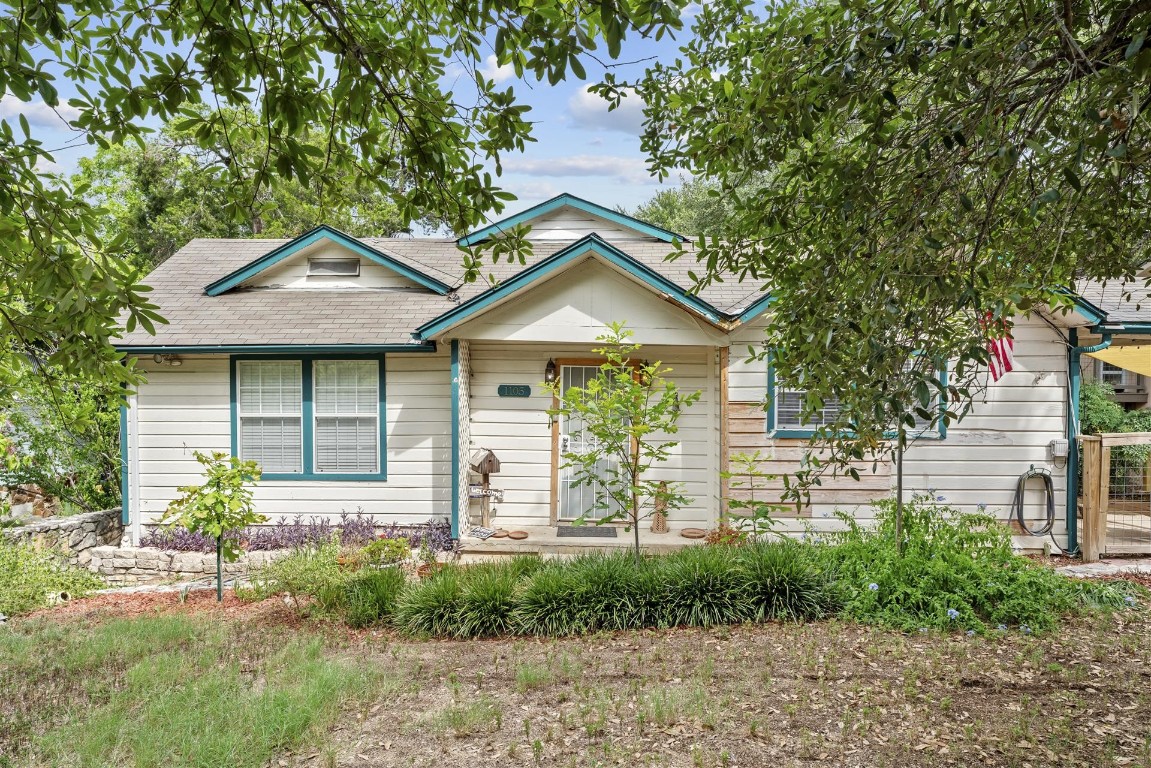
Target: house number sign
[(514, 390)]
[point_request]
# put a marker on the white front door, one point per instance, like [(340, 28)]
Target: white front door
[(574, 501)]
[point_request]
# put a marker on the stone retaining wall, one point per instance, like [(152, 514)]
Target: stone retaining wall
[(77, 534), (147, 565)]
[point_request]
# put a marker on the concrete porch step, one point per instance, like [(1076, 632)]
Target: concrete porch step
[(543, 541)]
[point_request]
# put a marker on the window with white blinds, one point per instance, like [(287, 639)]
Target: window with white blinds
[(347, 416), (270, 414), (788, 405)]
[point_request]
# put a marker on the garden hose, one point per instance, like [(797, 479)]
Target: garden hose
[(1017, 503)]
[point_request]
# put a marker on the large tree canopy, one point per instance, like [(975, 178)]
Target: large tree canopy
[(900, 171), (159, 196), (366, 77)]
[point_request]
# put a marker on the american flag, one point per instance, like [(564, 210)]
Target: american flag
[(1000, 347)]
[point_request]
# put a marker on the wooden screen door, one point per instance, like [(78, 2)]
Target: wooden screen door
[(572, 500)]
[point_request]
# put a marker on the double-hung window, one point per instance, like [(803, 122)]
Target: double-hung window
[(270, 413), (785, 409), (311, 418)]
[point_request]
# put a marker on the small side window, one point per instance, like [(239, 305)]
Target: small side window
[(333, 267)]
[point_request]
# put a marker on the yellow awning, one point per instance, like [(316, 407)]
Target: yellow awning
[(1133, 358)]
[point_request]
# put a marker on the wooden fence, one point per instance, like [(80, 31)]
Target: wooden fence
[(1115, 498)]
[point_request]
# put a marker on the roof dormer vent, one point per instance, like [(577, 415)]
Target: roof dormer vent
[(333, 267)]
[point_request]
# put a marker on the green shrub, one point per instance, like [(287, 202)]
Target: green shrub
[(486, 601), (431, 607), (385, 551), (702, 587), (311, 572), (30, 576), (370, 596), (957, 571), (549, 604), (783, 583)]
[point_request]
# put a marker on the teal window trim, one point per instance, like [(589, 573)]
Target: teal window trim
[(323, 232), (615, 217), (308, 418), (337, 350), (938, 433)]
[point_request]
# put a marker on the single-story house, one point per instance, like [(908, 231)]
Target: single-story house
[(363, 373)]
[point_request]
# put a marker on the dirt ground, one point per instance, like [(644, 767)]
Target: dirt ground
[(834, 694)]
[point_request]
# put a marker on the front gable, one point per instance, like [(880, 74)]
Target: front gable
[(542, 271), (575, 304), (567, 217), (310, 260)]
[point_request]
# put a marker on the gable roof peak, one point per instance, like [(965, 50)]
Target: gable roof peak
[(309, 238), (569, 200)]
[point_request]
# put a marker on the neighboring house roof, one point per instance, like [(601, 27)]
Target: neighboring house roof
[(1122, 302)]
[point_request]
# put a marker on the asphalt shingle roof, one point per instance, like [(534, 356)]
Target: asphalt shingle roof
[(351, 316), (1123, 301)]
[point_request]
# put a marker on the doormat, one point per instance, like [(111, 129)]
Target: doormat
[(586, 531)]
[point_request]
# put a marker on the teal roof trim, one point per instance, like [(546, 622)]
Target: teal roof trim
[(590, 244), (322, 232), (556, 203), (756, 308), (1084, 307), (275, 349)]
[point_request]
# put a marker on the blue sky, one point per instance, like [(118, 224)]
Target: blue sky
[(580, 146)]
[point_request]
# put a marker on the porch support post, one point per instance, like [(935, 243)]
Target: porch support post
[(455, 439)]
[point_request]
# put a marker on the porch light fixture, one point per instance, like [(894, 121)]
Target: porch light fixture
[(550, 372)]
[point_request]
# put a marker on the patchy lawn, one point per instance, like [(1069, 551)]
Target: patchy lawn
[(150, 681)]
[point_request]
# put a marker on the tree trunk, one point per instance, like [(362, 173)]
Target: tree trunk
[(219, 569)]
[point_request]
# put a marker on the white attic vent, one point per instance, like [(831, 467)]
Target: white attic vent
[(333, 267)]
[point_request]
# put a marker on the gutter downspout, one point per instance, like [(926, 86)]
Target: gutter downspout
[(1074, 376)]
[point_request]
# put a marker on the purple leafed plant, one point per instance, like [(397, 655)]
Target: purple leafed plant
[(353, 530)]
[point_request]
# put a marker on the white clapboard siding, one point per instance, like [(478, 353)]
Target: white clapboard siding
[(293, 272), (184, 409), (576, 305), (975, 468), (518, 430), (571, 224)]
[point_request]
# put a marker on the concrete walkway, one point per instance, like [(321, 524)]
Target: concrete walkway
[(1108, 567)]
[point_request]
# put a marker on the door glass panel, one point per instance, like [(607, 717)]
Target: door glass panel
[(574, 500)]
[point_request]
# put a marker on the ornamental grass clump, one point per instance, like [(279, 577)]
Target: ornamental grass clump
[(432, 606), (370, 596), (783, 583), (957, 572), (702, 587), (486, 601)]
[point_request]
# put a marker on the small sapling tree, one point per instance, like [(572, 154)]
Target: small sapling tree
[(222, 504), (629, 411)]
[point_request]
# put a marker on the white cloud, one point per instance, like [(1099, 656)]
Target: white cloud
[(494, 72), (37, 113), (627, 169), (533, 190), (691, 10), (48, 166), (589, 110)]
